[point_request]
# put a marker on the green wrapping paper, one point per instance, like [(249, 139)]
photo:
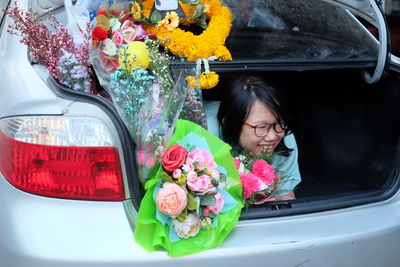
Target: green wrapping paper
[(152, 235)]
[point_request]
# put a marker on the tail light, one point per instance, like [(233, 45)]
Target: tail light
[(61, 157)]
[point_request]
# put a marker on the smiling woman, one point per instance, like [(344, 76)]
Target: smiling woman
[(253, 119)]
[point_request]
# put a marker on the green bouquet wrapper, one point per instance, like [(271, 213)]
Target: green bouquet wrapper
[(151, 234)]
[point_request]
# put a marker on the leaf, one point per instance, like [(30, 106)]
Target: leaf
[(166, 177), (222, 177), (191, 202), (199, 10), (207, 200), (202, 22), (155, 17), (183, 215)]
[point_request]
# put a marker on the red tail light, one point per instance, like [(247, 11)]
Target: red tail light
[(75, 172)]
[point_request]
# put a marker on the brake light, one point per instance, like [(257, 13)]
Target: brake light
[(61, 157)]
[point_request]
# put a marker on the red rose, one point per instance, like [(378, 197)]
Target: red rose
[(174, 158), (102, 12), (99, 34)]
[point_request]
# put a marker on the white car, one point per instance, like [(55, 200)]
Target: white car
[(69, 190)]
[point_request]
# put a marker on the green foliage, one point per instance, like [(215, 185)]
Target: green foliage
[(166, 178), (155, 17), (183, 215), (191, 202), (190, 2), (207, 200)]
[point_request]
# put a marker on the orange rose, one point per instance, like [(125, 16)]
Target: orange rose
[(171, 199)]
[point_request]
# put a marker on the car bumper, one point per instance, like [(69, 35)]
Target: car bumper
[(41, 231)]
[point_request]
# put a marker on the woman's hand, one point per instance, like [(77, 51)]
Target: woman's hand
[(288, 196)]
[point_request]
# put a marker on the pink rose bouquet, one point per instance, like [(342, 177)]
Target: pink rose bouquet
[(190, 193), (258, 178)]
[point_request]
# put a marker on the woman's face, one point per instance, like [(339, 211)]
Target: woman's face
[(260, 113)]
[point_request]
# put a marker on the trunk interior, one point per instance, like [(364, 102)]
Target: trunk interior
[(347, 134)]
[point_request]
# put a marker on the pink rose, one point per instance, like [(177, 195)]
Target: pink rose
[(201, 184), (264, 171), (174, 158), (177, 173), (117, 38), (250, 183), (171, 199), (189, 227), (217, 207)]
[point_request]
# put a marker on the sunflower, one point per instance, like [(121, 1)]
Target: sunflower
[(170, 21), (136, 11)]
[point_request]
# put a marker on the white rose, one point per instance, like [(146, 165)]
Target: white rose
[(115, 24), (189, 227), (109, 48)]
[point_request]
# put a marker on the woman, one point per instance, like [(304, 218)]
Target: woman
[(252, 118)]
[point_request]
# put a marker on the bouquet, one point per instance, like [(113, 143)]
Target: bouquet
[(193, 200), (191, 192), (259, 179)]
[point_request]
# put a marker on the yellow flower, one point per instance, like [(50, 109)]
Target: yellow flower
[(170, 22), (205, 81), (136, 11)]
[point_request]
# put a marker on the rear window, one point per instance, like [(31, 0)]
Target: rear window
[(296, 30)]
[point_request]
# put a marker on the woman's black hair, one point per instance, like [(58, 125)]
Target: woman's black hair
[(235, 108)]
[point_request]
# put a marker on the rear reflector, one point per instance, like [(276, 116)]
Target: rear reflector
[(71, 171)]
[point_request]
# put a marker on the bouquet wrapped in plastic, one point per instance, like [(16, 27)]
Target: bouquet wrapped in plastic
[(193, 199), (135, 69)]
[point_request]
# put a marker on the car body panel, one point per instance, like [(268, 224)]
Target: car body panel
[(56, 232)]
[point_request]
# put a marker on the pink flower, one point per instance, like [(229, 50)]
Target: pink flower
[(215, 174), (250, 183), (189, 227), (141, 157), (131, 32), (264, 171), (203, 157), (191, 176), (217, 207), (200, 167), (127, 31), (177, 173), (150, 162), (117, 38), (237, 163), (201, 184), (171, 199)]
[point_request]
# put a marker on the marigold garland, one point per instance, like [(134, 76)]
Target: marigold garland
[(205, 81), (211, 42)]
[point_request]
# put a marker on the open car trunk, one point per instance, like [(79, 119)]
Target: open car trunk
[(347, 134)]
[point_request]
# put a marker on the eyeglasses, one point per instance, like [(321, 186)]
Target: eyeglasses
[(263, 129)]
